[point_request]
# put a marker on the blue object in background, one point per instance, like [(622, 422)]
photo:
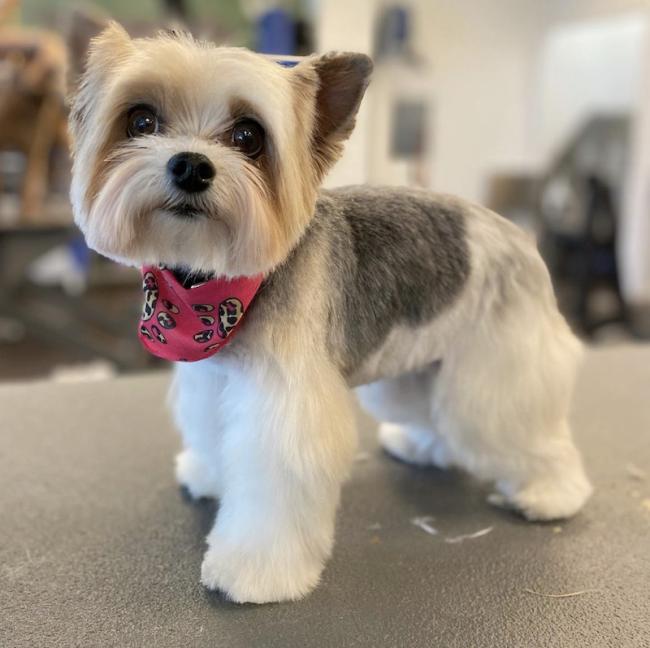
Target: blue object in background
[(286, 61), (80, 253), (276, 33)]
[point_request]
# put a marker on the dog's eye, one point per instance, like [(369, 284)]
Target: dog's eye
[(142, 121), (248, 137)]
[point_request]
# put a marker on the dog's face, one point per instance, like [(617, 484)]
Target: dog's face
[(204, 157)]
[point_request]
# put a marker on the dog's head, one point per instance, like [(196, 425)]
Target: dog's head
[(204, 157)]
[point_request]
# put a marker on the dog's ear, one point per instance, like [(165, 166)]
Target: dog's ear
[(108, 49), (113, 41), (340, 80), (85, 23), (106, 52)]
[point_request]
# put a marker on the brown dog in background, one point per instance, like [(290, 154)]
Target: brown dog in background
[(32, 106)]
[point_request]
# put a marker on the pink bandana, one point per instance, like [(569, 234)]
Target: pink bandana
[(189, 324)]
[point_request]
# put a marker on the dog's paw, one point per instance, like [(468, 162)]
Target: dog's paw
[(441, 455), (544, 500), (195, 476), (414, 446), (258, 576), (405, 444)]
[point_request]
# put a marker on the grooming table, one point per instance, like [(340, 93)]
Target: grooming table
[(99, 547)]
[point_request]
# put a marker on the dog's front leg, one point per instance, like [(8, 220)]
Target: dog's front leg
[(287, 445)]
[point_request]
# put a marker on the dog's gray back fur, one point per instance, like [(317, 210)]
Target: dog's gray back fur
[(394, 257)]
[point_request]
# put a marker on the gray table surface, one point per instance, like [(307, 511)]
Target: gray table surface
[(98, 546)]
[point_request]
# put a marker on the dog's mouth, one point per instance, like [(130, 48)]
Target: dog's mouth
[(189, 278), (185, 210)]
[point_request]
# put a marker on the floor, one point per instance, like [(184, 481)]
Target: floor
[(102, 548)]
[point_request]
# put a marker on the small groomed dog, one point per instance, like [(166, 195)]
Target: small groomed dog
[(439, 311)]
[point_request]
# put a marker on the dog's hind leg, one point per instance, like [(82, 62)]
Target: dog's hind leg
[(407, 429), (501, 401)]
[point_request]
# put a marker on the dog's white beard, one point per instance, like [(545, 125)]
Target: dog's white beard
[(129, 219), (128, 194)]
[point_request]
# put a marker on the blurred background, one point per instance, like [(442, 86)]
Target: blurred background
[(538, 109)]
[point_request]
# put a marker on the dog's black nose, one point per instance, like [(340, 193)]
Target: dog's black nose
[(191, 172)]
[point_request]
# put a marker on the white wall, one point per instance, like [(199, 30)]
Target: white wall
[(587, 67), (482, 55), (348, 25), (514, 77), (562, 11), (634, 243), (503, 98)]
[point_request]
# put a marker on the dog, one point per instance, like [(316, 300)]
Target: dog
[(32, 108), (203, 165)]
